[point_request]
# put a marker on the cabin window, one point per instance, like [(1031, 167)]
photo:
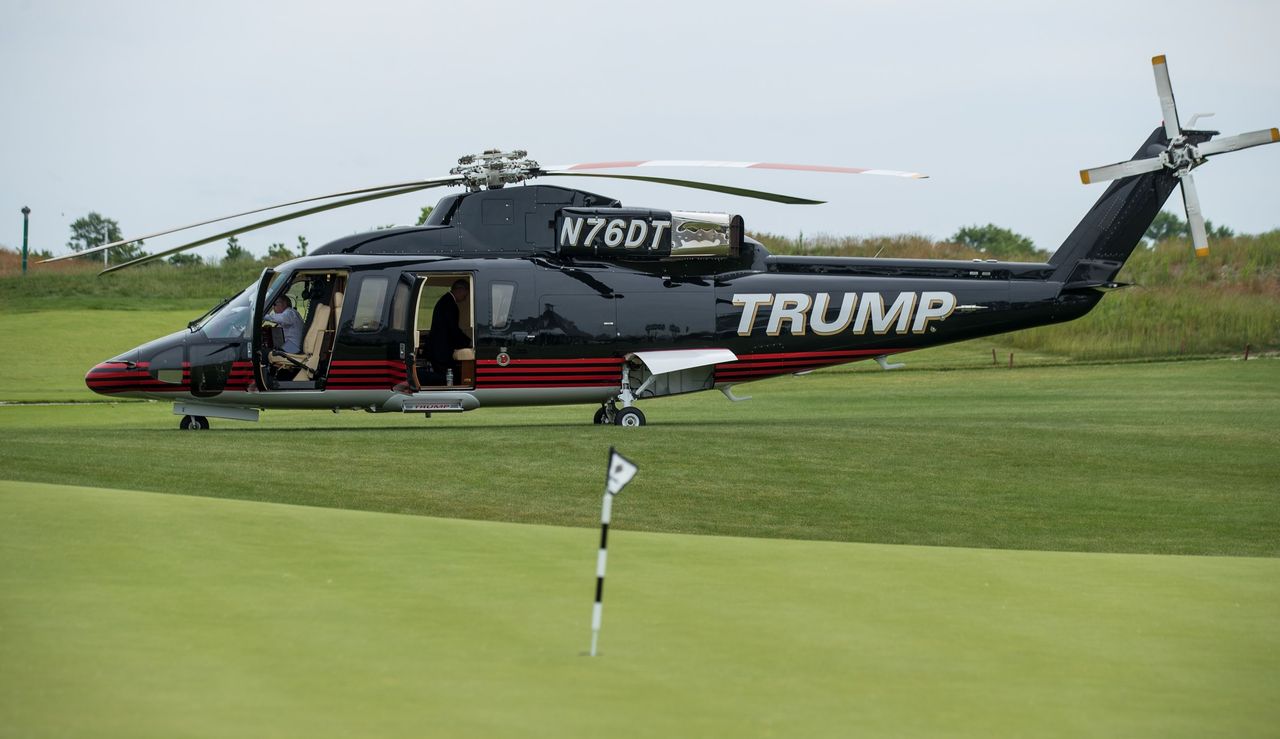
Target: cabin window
[(369, 305), (502, 294)]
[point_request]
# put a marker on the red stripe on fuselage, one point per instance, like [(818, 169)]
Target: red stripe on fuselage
[(522, 370)]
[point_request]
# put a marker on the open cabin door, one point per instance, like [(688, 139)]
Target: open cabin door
[(404, 314), (258, 341), (444, 331)]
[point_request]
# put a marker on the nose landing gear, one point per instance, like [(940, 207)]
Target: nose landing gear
[(193, 423)]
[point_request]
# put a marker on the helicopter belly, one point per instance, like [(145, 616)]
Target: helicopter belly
[(578, 395)]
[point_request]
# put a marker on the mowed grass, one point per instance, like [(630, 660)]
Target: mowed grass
[(139, 615), (49, 352), (1177, 458)]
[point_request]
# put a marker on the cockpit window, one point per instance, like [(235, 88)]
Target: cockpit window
[(231, 321)]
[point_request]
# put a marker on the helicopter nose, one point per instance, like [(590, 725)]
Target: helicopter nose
[(117, 376)]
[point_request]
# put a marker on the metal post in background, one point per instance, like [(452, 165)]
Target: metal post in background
[(25, 212)]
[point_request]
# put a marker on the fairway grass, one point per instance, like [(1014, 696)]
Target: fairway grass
[(1164, 458), (137, 615)]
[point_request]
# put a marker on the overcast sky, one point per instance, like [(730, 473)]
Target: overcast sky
[(163, 113)]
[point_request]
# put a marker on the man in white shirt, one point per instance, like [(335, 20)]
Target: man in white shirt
[(283, 315)]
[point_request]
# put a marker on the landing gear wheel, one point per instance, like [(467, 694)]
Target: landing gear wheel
[(605, 415), (629, 417), (193, 423)]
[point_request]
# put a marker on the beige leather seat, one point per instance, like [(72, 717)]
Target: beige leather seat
[(318, 337)]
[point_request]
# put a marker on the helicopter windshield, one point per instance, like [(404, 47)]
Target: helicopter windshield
[(231, 319)]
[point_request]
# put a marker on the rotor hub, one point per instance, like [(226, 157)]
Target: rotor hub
[(1182, 156), (494, 169)]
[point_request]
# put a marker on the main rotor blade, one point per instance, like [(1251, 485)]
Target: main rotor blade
[(730, 165), (271, 222), (1164, 89), (1240, 141), (1191, 201), (96, 249), (1121, 169), (693, 184)]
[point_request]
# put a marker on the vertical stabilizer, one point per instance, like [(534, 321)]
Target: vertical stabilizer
[(1099, 245)]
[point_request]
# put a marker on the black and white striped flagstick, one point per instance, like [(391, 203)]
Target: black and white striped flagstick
[(620, 472)]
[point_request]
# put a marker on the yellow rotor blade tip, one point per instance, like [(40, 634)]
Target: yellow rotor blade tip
[(1084, 176), (1202, 252), (1157, 59), (1275, 134)]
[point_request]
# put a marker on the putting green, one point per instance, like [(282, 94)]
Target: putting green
[(141, 614)]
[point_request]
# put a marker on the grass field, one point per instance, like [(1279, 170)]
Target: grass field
[(158, 615), (1050, 496)]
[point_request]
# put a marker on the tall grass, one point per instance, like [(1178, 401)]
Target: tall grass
[(1194, 320), (1244, 263), (1180, 304), (159, 286), (905, 246)]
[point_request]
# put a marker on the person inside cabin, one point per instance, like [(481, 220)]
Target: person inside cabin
[(283, 315), (446, 334)]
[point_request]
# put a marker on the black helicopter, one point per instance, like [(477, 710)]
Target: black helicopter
[(565, 296)]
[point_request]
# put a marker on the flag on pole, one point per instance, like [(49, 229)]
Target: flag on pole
[(620, 472)]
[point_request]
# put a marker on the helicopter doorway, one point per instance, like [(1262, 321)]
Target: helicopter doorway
[(444, 332), (296, 343)]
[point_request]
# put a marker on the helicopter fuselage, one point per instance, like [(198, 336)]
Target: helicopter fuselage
[(550, 331), (545, 295), (566, 297)]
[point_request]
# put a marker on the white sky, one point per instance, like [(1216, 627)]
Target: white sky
[(163, 113)]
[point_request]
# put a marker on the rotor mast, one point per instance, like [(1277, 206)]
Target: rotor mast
[(493, 169)]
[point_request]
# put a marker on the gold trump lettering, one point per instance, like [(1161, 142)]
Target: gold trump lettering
[(824, 314)]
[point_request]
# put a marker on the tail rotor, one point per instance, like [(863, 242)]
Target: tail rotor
[(1180, 155)]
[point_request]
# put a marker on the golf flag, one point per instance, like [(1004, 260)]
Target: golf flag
[(621, 470)]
